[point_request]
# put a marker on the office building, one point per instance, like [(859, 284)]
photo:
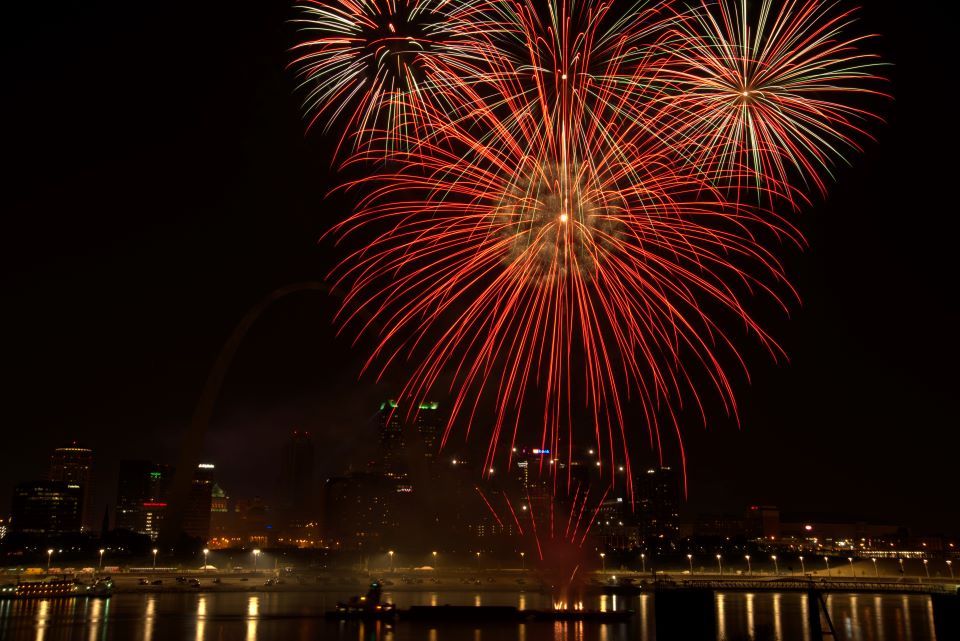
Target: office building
[(73, 464), (47, 508)]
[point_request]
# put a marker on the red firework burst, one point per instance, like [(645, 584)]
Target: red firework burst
[(547, 238)]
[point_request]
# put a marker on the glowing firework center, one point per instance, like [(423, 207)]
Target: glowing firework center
[(555, 227), (394, 41)]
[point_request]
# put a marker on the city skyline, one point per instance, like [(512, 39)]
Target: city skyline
[(116, 316), (644, 511)]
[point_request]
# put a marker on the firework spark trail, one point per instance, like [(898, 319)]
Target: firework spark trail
[(490, 507), (533, 527), (593, 519), (513, 514), (766, 103)]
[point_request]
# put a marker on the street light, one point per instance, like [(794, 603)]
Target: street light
[(49, 556), (523, 561), (720, 564), (256, 555), (901, 566), (478, 560), (391, 560), (776, 565), (852, 572), (803, 568), (603, 560), (206, 553), (826, 560), (950, 567), (435, 568), (155, 558), (875, 570), (100, 565), (749, 567), (926, 568), (690, 561), (643, 560)]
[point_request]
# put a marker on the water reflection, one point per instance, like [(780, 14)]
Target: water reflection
[(905, 606), (878, 619), (721, 605), (151, 612), (257, 616), (777, 617), (42, 613), (253, 615), (95, 618), (201, 616)]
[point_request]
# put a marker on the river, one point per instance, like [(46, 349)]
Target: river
[(265, 616)]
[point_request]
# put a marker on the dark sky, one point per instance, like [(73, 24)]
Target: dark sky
[(157, 183)]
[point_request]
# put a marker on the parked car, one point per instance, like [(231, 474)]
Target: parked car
[(142, 582), (157, 582), (194, 582)]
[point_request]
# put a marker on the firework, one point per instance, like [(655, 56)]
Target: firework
[(371, 65), (554, 527), (546, 239), (765, 100)]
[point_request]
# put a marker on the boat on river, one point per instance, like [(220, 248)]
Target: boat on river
[(56, 589)]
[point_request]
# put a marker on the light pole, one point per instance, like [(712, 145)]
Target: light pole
[(901, 566), (155, 558), (478, 561), (643, 560), (749, 567), (720, 564), (950, 567), (435, 568), (876, 571), (49, 556), (826, 560), (206, 553), (523, 561), (926, 568), (776, 565), (256, 555), (690, 561), (852, 571), (391, 560), (803, 568), (603, 561), (100, 564)]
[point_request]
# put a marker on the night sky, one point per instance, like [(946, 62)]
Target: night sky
[(157, 183)]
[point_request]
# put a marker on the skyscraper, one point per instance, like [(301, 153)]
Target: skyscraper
[(73, 464), (659, 492), (142, 491), (296, 476), (408, 435), (196, 518), (47, 507)]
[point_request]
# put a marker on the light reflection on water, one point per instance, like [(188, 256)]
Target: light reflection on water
[(240, 616), (149, 614), (253, 616)]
